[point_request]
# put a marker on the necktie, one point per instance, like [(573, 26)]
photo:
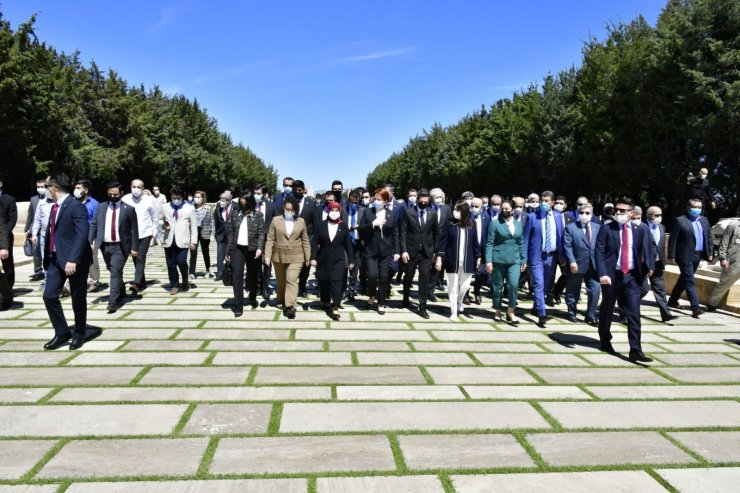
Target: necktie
[(588, 235), (113, 225), (226, 213), (656, 237), (174, 214), (53, 226), (353, 223), (625, 252), (421, 218), (548, 238), (699, 234)]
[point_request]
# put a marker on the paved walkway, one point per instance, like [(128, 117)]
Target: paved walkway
[(178, 395)]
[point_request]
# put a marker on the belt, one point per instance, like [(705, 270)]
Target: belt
[(698, 252), (549, 254), (111, 243)]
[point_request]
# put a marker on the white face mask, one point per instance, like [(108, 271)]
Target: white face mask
[(365, 202), (136, 192), (703, 176), (439, 200), (41, 190), (475, 211), (412, 200), (47, 193), (77, 193), (288, 216), (636, 222), (622, 218), (585, 217), (559, 207), (334, 215), (224, 204), (176, 202), (198, 200), (656, 220), (495, 208), (456, 215)]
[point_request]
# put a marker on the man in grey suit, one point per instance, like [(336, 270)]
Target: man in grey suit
[(657, 282), (729, 260), (579, 243), (115, 230), (38, 268)]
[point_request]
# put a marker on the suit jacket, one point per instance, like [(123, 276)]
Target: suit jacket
[(533, 236), (485, 224), (414, 238), (577, 249), (128, 227), (359, 212), (609, 244), (182, 231), (443, 212), (659, 246), (502, 247), (682, 244), (378, 241), (71, 232), (284, 249), (33, 204), (449, 248), (310, 214), (255, 230), (332, 256), (220, 226), (574, 216), (4, 239), (10, 210), (278, 201), (729, 245), (269, 211)]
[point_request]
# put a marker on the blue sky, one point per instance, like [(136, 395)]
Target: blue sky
[(329, 89)]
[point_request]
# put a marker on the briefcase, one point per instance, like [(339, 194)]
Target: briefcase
[(28, 247), (227, 275)]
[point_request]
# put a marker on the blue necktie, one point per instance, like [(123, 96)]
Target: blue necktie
[(548, 235)]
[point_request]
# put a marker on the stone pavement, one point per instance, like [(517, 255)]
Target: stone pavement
[(178, 395)]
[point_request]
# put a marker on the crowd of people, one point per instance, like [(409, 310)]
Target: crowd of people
[(361, 241)]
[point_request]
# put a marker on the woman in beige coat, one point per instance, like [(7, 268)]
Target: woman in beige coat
[(288, 248)]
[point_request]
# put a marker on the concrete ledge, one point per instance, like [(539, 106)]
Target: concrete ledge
[(705, 281)]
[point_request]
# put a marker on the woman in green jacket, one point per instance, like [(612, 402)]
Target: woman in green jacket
[(506, 258)]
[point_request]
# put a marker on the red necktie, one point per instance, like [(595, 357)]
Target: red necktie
[(113, 225), (625, 255), (226, 212), (53, 226)]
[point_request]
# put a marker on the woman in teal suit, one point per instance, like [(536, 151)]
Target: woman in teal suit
[(506, 259)]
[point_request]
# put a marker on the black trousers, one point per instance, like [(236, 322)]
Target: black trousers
[(55, 279), (140, 261), (8, 263), (424, 265), (204, 245), (379, 277), (177, 259), (115, 260), (331, 292), (241, 256), (38, 262), (221, 247), (354, 273), (657, 283), (264, 280), (303, 278), (625, 288)]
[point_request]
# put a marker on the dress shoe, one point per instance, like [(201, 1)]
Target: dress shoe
[(302, 294), (572, 318), (406, 303), (478, 299), (38, 277), (550, 302), (696, 312), (557, 300), (511, 318), (57, 342), (541, 321), (673, 304), (711, 308), (113, 308), (334, 315), (607, 348), (289, 312), (432, 297), (423, 313), (238, 312), (639, 357), (594, 322), (466, 301), (381, 310), (134, 288), (76, 343), (668, 318), (174, 291)]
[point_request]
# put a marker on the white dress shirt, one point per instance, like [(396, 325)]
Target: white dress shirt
[(619, 252), (289, 224), (243, 238), (107, 237), (147, 213)]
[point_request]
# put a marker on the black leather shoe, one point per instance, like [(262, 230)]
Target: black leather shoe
[(572, 318), (541, 321), (238, 312), (289, 312), (607, 348), (669, 318), (594, 322), (466, 301), (557, 300), (550, 302), (423, 313), (711, 308), (406, 303), (673, 304), (639, 357), (77, 343), (57, 342), (432, 298), (113, 308), (254, 304), (696, 313), (478, 299)]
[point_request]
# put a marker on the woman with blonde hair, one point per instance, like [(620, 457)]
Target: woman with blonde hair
[(204, 218)]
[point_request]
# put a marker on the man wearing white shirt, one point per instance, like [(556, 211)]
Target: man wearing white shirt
[(147, 214)]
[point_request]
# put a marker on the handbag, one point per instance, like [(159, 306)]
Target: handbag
[(28, 247), (227, 275)]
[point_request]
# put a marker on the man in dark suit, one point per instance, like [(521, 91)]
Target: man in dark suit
[(268, 210), (418, 240), (624, 258), (543, 239), (40, 196), (308, 211), (115, 230), (689, 243), (579, 244), (353, 212), (482, 221), (555, 288), (68, 257), (221, 214), (288, 187), (657, 282), (443, 212), (10, 210)]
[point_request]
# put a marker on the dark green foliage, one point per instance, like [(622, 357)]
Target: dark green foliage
[(648, 105), (56, 114)]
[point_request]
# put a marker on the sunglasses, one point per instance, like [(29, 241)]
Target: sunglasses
[(622, 211)]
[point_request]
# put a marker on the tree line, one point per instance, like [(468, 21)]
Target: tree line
[(647, 106), (58, 115)]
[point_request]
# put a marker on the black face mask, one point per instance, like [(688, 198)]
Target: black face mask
[(506, 214), (327, 202), (421, 205), (243, 205), (297, 195), (114, 200)]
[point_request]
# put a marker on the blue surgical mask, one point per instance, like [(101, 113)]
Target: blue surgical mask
[(378, 204), (176, 202), (257, 197), (544, 207), (287, 190), (695, 211)]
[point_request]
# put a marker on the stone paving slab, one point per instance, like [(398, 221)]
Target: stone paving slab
[(134, 334), (665, 391), (297, 485), (161, 346), (715, 446), (608, 360), (195, 375), (23, 395), (263, 346), (283, 358), (210, 314), (702, 336), (192, 394), (67, 376), (95, 345), (366, 326), (607, 448), (480, 347), (572, 482), (698, 359), (33, 359), (525, 392), (465, 336), (479, 375), (415, 358), (599, 375), (594, 348), (263, 324), (724, 374), (375, 484), (716, 480), (220, 419), (302, 454), (133, 358), (111, 458), (398, 392), (362, 335), (42, 488), (641, 414), (234, 334), (372, 346), (160, 324), (345, 417), (94, 420), (706, 347), (339, 375), (463, 451), (17, 457), (514, 359)]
